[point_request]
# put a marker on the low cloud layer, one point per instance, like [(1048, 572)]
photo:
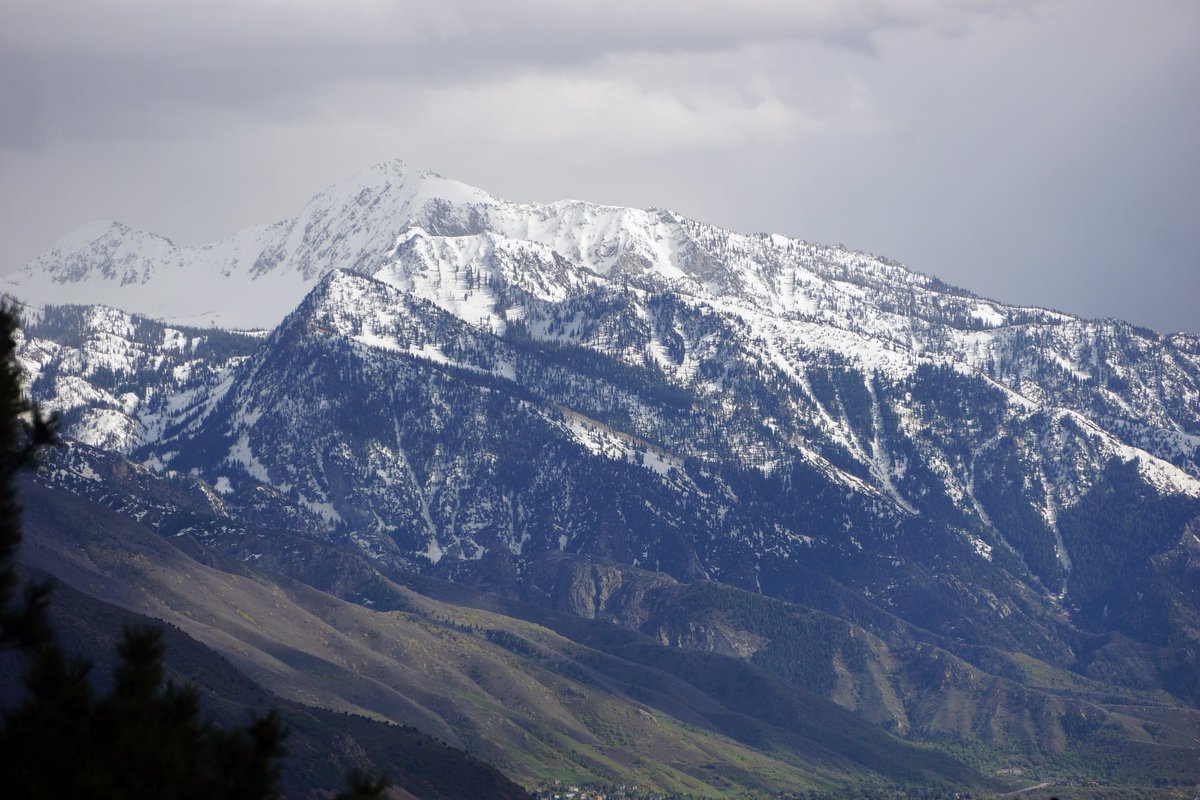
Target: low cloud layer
[(1037, 151)]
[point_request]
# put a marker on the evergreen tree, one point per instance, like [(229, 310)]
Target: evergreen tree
[(22, 431)]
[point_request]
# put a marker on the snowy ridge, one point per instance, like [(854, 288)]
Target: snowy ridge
[(357, 226), (493, 262), (119, 379)]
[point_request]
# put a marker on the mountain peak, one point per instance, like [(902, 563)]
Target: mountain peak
[(92, 232), (103, 250), (400, 182)]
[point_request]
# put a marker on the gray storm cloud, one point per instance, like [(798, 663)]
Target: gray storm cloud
[(1036, 152)]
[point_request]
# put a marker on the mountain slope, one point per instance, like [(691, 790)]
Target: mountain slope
[(539, 705), (116, 379), (322, 745), (1007, 709)]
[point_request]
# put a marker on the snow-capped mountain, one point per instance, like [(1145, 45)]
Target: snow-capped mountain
[(464, 383), (491, 262)]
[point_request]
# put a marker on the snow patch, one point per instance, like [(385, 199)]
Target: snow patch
[(433, 551), (988, 315), (242, 455)]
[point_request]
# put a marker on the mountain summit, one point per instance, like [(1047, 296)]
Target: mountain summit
[(370, 222), (254, 277)]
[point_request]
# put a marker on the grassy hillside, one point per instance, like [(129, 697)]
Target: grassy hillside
[(533, 702), (322, 744), (1007, 714)]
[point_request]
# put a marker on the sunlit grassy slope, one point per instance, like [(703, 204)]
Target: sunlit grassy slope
[(532, 702)]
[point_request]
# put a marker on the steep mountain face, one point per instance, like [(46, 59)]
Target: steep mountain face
[(470, 388)]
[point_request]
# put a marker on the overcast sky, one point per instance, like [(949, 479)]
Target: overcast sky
[(1034, 151)]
